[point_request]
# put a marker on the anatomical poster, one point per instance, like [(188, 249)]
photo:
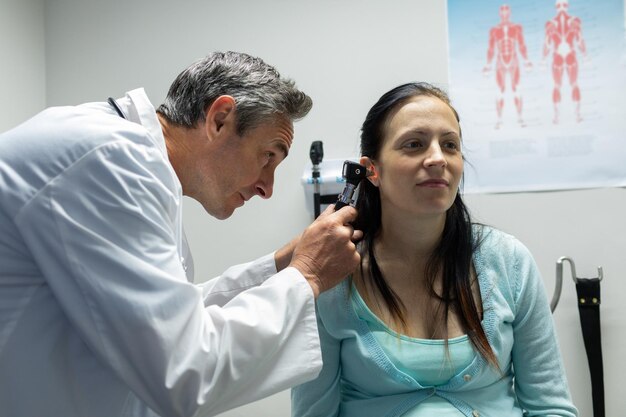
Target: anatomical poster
[(540, 87)]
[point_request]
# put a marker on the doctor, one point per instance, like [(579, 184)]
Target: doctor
[(98, 312)]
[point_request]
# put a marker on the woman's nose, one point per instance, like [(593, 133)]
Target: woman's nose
[(435, 157)]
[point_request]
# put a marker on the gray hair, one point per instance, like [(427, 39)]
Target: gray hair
[(258, 89)]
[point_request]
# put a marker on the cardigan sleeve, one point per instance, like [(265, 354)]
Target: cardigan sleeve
[(540, 380)]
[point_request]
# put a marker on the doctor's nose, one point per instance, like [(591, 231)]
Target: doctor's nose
[(263, 191), (264, 187)]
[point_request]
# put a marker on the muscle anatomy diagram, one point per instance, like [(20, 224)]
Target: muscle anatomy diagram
[(563, 36), (506, 43)]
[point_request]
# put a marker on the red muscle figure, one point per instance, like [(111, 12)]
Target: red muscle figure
[(505, 40), (563, 35)]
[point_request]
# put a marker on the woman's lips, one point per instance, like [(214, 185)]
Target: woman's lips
[(434, 183)]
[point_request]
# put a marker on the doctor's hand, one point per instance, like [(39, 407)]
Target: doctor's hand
[(326, 252)]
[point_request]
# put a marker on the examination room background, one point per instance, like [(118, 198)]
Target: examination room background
[(344, 54)]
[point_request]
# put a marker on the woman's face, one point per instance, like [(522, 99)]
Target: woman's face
[(420, 165)]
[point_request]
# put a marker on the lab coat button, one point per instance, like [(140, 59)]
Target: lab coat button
[(467, 377), (475, 413)]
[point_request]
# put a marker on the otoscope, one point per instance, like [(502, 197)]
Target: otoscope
[(353, 173), (316, 153)]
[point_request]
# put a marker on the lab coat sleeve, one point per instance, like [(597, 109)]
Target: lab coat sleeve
[(540, 380), (218, 291), (104, 235), (321, 397)]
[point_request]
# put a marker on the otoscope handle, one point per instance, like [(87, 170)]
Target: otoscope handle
[(353, 173), (339, 205)]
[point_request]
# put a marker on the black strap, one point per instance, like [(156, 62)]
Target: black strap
[(588, 291)]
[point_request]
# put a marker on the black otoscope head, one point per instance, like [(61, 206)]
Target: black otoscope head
[(316, 153), (353, 173)]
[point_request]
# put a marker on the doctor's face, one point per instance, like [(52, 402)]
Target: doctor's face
[(239, 167)]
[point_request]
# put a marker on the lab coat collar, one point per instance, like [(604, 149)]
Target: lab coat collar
[(138, 108)]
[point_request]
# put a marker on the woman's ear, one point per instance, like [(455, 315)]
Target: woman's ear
[(372, 170)]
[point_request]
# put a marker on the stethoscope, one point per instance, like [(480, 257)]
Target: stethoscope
[(116, 107)]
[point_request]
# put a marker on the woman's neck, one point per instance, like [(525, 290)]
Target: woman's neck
[(402, 250), (411, 237)]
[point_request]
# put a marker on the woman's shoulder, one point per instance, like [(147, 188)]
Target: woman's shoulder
[(502, 261), (334, 304), (497, 244)]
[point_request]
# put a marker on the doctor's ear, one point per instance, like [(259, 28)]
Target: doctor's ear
[(220, 113), (372, 170)]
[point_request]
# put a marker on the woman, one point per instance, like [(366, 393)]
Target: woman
[(444, 317)]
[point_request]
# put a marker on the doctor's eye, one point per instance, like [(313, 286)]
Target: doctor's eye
[(268, 156)]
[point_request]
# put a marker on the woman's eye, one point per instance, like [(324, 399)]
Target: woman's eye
[(451, 145), (413, 145)]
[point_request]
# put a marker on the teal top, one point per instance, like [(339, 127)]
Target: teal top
[(359, 378), (423, 359), (426, 360)]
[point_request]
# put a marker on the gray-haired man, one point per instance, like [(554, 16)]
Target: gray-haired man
[(99, 313)]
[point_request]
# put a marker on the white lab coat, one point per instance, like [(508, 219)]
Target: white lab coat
[(96, 315)]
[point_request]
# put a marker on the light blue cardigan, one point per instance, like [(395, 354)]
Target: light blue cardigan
[(358, 379)]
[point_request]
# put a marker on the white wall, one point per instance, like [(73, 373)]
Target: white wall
[(344, 54), (22, 60)]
